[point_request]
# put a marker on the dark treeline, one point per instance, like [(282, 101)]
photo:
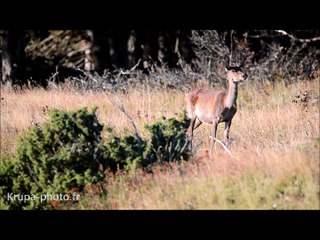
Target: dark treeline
[(123, 49), (100, 50), (36, 54)]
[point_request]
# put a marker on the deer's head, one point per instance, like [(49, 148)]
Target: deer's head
[(235, 74)]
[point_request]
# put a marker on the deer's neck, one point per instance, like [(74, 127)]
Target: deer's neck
[(232, 94)]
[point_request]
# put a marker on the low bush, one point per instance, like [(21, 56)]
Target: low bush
[(68, 154), (61, 155)]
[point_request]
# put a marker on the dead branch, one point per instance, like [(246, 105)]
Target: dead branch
[(121, 108), (298, 39), (135, 66), (87, 74), (223, 145)]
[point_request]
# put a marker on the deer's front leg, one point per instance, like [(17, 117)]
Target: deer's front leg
[(214, 130), (214, 134), (227, 130)]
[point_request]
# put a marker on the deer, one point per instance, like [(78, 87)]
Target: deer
[(214, 106)]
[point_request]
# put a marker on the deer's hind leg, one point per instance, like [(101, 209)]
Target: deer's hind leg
[(195, 123)]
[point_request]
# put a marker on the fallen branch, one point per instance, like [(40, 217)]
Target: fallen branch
[(223, 145)]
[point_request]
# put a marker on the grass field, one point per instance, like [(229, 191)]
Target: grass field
[(275, 150)]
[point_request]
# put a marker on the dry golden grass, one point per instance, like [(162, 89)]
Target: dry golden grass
[(275, 162), (246, 182), (20, 110)]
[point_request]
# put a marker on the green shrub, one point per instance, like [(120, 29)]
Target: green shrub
[(69, 153), (124, 152), (61, 155), (168, 140), (168, 143)]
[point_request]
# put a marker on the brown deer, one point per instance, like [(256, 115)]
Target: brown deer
[(214, 106)]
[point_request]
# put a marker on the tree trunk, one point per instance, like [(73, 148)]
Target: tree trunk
[(13, 57), (133, 48), (100, 51)]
